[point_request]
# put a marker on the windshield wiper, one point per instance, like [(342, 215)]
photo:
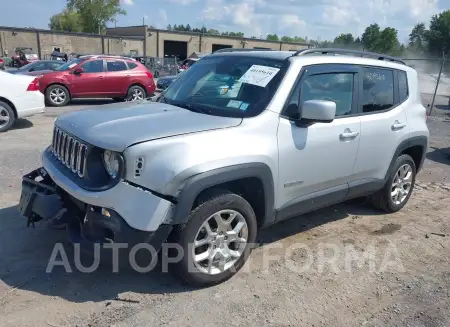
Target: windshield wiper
[(192, 107)]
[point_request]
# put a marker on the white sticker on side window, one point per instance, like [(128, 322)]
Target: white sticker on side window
[(259, 75), (234, 104)]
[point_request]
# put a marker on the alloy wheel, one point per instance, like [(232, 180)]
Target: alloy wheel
[(57, 96), (137, 95), (220, 242), (4, 116), (401, 184)]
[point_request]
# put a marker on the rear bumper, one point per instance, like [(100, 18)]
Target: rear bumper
[(29, 103), (87, 225)]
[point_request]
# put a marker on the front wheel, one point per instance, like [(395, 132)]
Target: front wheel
[(57, 95), (216, 240), (399, 186)]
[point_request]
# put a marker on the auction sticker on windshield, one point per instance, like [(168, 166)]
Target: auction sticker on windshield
[(259, 75)]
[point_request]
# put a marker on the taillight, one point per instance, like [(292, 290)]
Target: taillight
[(149, 74), (1, 60), (34, 86)]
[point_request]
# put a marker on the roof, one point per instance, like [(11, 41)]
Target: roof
[(280, 55), (317, 58)]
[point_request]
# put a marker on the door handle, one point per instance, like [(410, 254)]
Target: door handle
[(397, 125), (348, 135), (100, 77)]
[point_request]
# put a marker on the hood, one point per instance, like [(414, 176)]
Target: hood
[(116, 127), (167, 78)]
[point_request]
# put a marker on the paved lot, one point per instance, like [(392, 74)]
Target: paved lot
[(407, 282)]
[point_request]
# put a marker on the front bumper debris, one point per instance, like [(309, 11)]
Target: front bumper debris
[(40, 199), (87, 225)]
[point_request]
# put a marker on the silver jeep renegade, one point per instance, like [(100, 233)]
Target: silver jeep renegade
[(242, 140)]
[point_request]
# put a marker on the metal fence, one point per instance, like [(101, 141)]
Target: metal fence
[(160, 67), (434, 82)]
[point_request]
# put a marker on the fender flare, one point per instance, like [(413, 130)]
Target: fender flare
[(413, 141), (196, 184)]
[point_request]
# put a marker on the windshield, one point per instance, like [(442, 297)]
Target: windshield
[(27, 66), (69, 65), (234, 86)]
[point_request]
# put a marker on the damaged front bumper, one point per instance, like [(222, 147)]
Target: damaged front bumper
[(87, 224)]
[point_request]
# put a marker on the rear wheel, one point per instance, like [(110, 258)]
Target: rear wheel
[(136, 93), (57, 95), (7, 116), (399, 186), (216, 240)]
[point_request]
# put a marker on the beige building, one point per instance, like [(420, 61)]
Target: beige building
[(164, 43), (139, 40)]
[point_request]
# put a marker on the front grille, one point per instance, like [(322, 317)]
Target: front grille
[(70, 151)]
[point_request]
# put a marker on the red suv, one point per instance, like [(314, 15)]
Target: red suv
[(119, 78)]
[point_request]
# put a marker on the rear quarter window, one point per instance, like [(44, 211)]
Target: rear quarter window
[(132, 65), (402, 86)]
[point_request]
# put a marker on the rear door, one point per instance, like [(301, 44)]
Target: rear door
[(117, 77), (90, 82), (384, 122)]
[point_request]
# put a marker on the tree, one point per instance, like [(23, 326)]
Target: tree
[(68, 21), (345, 39), (371, 36), (385, 41), (417, 37), (388, 41), (169, 27), (95, 14), (213, 31), (272, 37), (438, 35), (293, 39), (188, 28)]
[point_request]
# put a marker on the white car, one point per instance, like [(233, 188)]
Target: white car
[(19, 97)]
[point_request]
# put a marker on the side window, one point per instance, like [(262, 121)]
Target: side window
[(336, 87), (378, 89), (94, 66), (402, 86), (132, 65), (116, 65)]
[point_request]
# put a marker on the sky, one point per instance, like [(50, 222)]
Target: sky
[(315, 19)]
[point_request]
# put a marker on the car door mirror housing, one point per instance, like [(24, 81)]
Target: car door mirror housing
[(78, 70), (320, 111)]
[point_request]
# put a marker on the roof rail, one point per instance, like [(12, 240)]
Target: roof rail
[(356, 53), (239, 49)]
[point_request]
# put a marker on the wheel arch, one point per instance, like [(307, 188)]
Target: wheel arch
[(13, 107), (416, 147), (60, 84), (237, 178), (137, 83)]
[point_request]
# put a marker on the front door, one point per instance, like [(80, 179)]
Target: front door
[(91, 81), (316, 162)]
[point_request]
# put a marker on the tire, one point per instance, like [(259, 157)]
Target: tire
[(134, 90), (184, 235), (383, 199), (51, 93), (119, 99), (8, 117)]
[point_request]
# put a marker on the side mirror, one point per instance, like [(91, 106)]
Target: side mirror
[(78, 70), (320, 111), (31, 70)]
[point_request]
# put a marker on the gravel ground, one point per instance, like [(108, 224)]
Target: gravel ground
[(405, 282)]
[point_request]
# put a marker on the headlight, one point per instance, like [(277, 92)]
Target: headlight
[(111, 161)]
